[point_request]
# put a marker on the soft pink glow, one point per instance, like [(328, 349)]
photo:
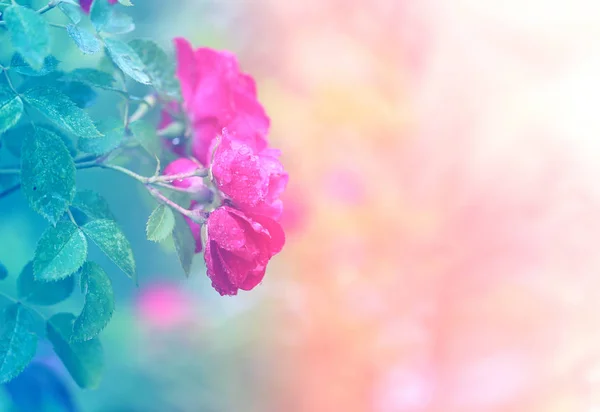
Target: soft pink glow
[(164, 306)]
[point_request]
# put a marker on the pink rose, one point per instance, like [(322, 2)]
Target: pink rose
[(252, 180), (238, 248), (183, 165), (87, 4), (217, 94)]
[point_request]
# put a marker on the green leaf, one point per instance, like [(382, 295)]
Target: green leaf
[(29, 34), (11, 108), (43, 293), (84, 40), (3, 271), (13, 139), (60, 252), (107, 19), (184, 243), (61, 111), (127, 3), (113, 136), (99, 303), (145, 134), (111, 240), (81, 94), (18, 343), (71, 11), (158, 66), (91, 77), (127, 60), (83, 360), (47, 174), (160, 224), (92, 205), (19, 65)]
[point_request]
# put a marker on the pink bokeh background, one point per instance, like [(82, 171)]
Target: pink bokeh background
[(443, 210)]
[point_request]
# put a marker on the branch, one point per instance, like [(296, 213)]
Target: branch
[(10, 190), (163, 199)]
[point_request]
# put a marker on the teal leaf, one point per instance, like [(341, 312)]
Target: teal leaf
[(107, 19), (145, 134), (127, 60), (100, 14), (80, 93), (114, 133), (47, 174), (11, 108), (66, 140), (61, 111), (91, 77), (13, 139), (84, 40), (111, 240), (83, 360), (160, 224), (158, 66), (29, 34), (43, 293), (18, 343), (3, 271), (127, 3), (71, 11), (60, 252), (184, 243), (99, 303), (92, 205), (19, 65)]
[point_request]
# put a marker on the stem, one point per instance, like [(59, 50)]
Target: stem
[(148, 103), (163, 199), (51, 4), (10, 171), (140, 178), (126, 112), (178, 176), (10, 190), (8, 297), (72, 217), (171, 187), (10, 84)]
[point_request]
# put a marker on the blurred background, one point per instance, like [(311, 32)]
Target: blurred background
[(442, 219)]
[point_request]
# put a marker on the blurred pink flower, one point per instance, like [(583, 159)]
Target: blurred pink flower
[(238, 249), (164, 306), (295, 214)]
